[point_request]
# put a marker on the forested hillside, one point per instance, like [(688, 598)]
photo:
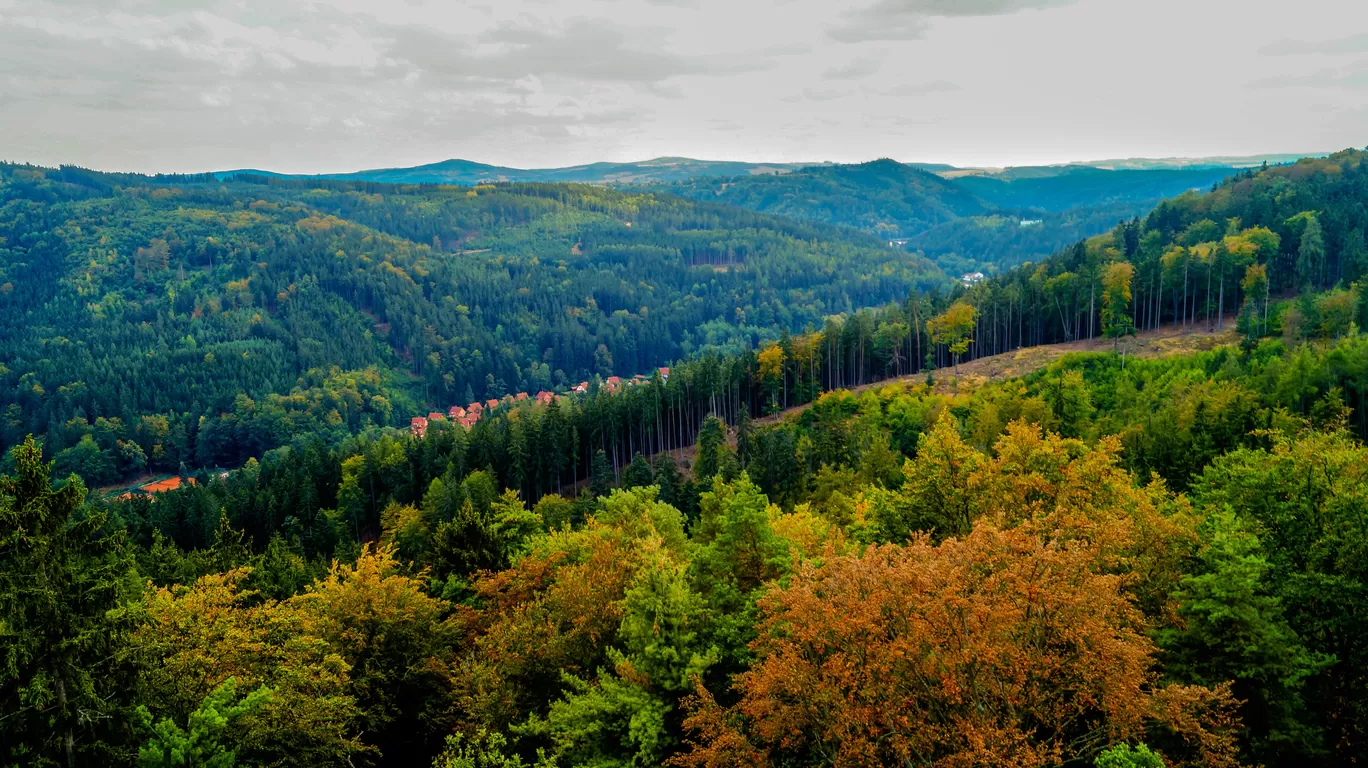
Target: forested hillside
[(967, 221), (380, 601), (883, 197), (661, 169), (1062, 188), (1201, 260), (187, 320), (1112, 561)]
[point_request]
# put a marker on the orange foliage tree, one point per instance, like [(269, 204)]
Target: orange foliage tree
[(997, 649)]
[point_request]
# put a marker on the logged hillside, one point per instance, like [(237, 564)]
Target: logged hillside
[(319, 305)]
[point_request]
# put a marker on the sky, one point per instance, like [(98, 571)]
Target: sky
[(336, 85)]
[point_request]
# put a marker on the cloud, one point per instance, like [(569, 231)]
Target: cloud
[(855, 70), (920, 89), (817, 94), (1353, 77), (1340, 46), (907, 19)]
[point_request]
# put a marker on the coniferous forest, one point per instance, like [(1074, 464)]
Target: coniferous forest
[(727, 498)]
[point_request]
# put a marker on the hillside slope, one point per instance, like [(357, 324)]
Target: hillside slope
[(661, 169), (332, 305), (962, 220), (882, 197)]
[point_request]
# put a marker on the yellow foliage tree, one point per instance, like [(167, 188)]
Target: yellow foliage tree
[(954, 328)]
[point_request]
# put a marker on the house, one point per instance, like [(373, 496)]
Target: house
[(664, 372), (1032, 222), (436, 416), (491, 404), (418, 427), (456, 413), (545, 397), (521, 396), (971, 278)]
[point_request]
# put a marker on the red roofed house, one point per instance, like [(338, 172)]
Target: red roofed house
[(456, 412), (418, 427), (492, 404), (436, 416), (545, 397), (522, 396)]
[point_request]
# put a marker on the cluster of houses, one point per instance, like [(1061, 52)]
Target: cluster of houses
[(471, 414)]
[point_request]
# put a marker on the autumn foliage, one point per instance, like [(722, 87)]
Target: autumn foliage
[(998, 649)]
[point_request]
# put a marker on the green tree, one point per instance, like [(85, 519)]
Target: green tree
[(638, 473), (1126, 756), (1311, 252), (630, 716), (87, 460), (1234, 630), (203, 742), (601, 478), (712, 443), (61, 578), (482, 750)]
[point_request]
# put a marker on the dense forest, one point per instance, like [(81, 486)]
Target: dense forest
[(965, 223), (1108, 561), (1201, 260), (1111, 561), (150, 322)]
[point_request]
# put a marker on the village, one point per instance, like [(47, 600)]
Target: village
[(471, 414)]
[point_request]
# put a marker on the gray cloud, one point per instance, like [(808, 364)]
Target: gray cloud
[(920, 89), (1343, 45), (856, 69), (1353, 76), (331, 85), (907, 19)]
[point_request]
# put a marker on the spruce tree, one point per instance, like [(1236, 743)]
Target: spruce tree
[(60, 628)]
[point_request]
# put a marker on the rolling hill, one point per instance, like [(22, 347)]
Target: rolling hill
[(345, 303), (962, 220), (661, 169)]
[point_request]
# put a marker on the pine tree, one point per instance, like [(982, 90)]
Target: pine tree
[(1311, 253), (712, 441), (1234, 630), (60, 588), (601, 480), (638, 473)]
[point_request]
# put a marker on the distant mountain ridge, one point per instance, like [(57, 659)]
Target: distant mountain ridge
[(672, 169), (964, 219), (658, 170)]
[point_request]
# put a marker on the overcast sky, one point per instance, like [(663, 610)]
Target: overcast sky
[(333, 85)]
